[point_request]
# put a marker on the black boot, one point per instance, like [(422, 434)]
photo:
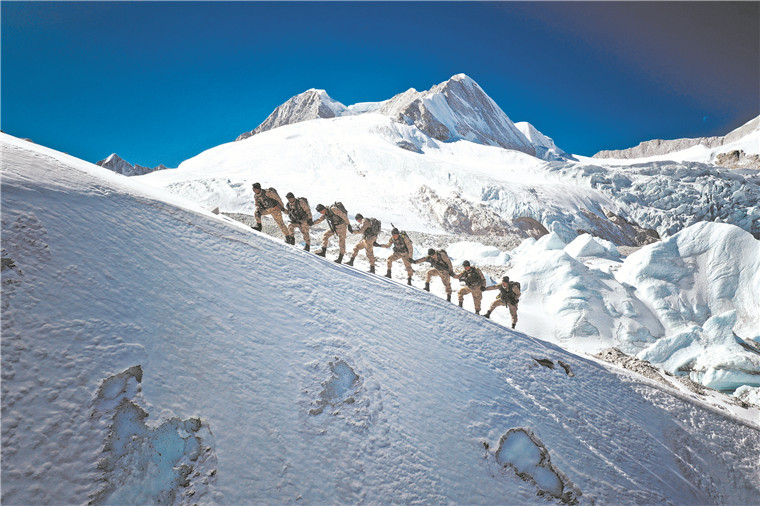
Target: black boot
[(307, 247), (513, 324), (427, 287), (477, 311), (488, 314), (351, 262), (339, 259), (409, 281), (371, 269), (321, 253), (388, 274), (289, 239), (448, 297), (460, 303), (257, 227)]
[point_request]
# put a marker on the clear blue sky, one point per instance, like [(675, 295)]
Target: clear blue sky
[(161, 82)]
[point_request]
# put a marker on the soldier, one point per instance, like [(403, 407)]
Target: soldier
[(268, 202), (442, 267), (299, 214), (337, 220), (369, 227), (474, 283), (403, 249), (509, 295)]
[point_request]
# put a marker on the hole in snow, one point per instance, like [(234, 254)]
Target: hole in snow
[(520, 450)]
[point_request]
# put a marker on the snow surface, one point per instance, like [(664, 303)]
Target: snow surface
[(154, 352)]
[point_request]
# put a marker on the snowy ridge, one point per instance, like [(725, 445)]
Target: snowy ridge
[(746, 137), (297, 367), (546, 149)]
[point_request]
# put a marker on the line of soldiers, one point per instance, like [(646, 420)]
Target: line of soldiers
[(268, 202)]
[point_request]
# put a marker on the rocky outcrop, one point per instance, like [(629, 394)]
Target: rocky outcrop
[(662, 147), (738, 159), (121, 166)]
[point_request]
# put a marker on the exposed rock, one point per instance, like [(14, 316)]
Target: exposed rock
[(619, 230), (457, 215), (738, 159)]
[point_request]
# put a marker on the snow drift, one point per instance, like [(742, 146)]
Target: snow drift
[(154, 352)]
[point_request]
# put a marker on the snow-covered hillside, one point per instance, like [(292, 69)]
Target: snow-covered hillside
[(154, 352), (438, 161)]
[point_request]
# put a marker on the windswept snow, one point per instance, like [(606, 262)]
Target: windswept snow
[(244, 370)]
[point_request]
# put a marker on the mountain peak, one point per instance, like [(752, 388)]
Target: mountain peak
[(311, 104), (546, 149), (119, 165)]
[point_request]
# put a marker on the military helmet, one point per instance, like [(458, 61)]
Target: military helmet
[(320, 208), (290, 195), (431, 251), (257, 186), (505, 279), (394, 231), (359, 216), (466, 263)]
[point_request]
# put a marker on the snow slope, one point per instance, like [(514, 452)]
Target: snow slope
[(154, 352)]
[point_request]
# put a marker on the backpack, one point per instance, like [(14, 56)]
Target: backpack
[(340, 206), (443, 261), (400, 245), (266, 201), (296, 212), (374, 228)]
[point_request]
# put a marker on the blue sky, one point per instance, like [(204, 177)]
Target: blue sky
[(161, 82)]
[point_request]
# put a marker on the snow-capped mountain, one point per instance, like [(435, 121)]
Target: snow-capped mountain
[(228, 367), (311, 104), (545, 147), (453, 110), (117, 164), (739, 148)]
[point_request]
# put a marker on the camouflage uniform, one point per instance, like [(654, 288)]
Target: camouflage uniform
[(509, 296), (474, 283), (299, 214), (338, 224), (368, 241), (268, 202), (403, 249), (442, 267)]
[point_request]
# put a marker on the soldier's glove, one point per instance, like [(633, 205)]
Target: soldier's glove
[(377, 245), (350, 228), (310, 222), (482, 288)]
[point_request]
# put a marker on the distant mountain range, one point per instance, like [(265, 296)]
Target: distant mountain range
[(453, 110), (117, 164)]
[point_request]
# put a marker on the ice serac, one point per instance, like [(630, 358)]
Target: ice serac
[(545, 147), (311, 104), (662, 147), (117, 164), (458, 109)]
